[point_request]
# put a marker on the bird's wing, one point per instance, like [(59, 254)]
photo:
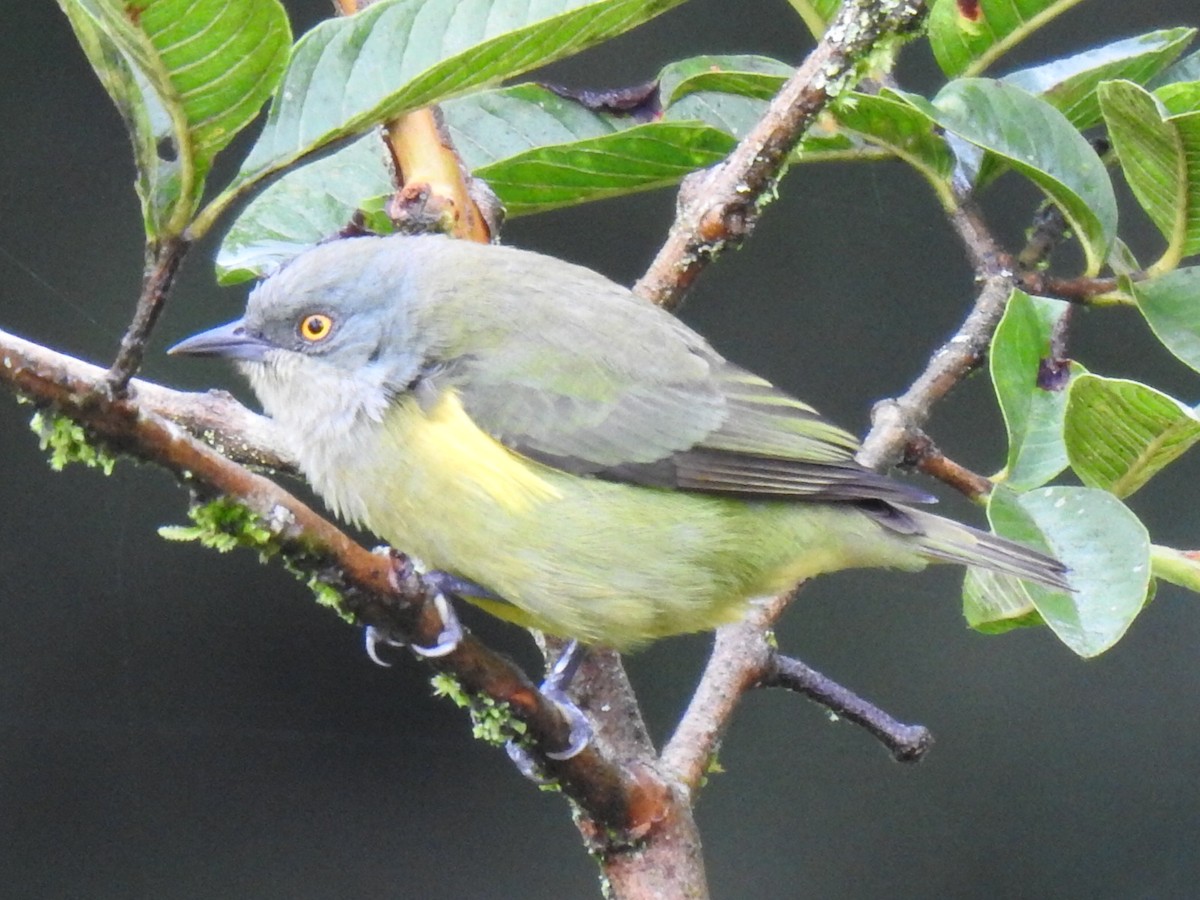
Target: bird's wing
[(619, 389), (651, 403)]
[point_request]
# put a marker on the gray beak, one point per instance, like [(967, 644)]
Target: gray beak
[(231, 341)]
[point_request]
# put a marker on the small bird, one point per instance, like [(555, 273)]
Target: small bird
[(587, 460)]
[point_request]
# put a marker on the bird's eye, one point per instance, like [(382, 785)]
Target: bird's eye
[(315, 327)]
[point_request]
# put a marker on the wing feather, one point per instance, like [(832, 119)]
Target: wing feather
[(617, 388)]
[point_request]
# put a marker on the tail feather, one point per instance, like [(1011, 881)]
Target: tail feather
[(943, 539)]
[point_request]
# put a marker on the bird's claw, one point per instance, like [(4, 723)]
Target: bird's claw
[(554, 688), (581, 730), (372, 638), (448, 638), (558, 679)]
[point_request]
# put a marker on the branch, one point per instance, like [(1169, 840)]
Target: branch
[(741, 654), (143, 424), (908, 743), (1082, 290), (896, 430), (720, 205), (434, 188), (717, 207), (162, 262), (923, 453), (894, 422), (435, 191), (744, 657)]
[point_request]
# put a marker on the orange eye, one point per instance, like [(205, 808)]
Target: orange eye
[(316, 327)]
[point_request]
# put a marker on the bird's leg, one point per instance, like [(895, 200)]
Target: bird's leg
[(554, 687), (558, 679)]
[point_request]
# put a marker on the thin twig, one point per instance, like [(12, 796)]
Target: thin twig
[(907, 743), (162, 262), (1081, 290), (895, 421), (744, 657), (1050, 228), (720, 205), (923, 454)]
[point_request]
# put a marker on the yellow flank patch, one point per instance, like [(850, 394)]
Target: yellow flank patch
[(450, 439)]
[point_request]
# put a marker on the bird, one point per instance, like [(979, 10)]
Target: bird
[(573, 457)]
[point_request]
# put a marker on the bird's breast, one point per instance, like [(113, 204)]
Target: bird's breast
[(445, 451), (430, 482)]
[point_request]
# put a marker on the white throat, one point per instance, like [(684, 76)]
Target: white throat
[(326, 417)]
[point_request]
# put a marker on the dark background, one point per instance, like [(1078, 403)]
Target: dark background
[(178, 724)]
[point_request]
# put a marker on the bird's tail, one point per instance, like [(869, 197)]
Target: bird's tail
[(949, 541)]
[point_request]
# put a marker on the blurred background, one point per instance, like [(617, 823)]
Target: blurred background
[(179, 724)]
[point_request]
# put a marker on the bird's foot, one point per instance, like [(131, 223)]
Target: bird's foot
[(443, 584), (554, 687), (447, 642), (451, 634)]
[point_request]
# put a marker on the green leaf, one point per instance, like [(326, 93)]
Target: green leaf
[(1179, 98), (1119, 434), (1105, 548), (1070, 84), (223, 58), (908, 132), (1160, 156), (351, 73), (639, 158), (967, 36), (305, 207), (1037, 140), (1171, 305), (491, 126), (537, 151), (759, 77), (1031, 390), (859, 125), (1121, 259), (186, 75), (995, 603), (730, 113), (1187, 69), (816, 14), (737, 113)]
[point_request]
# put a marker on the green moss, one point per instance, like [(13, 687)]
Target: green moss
[(714, 767), (327, 595), (224, 524), (68, 443), (494, 722), (446, 685), (491, 721)]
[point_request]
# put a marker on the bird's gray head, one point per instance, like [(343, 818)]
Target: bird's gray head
[(331, 335)]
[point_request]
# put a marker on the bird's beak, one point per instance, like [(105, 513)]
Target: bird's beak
[(231, 341)]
